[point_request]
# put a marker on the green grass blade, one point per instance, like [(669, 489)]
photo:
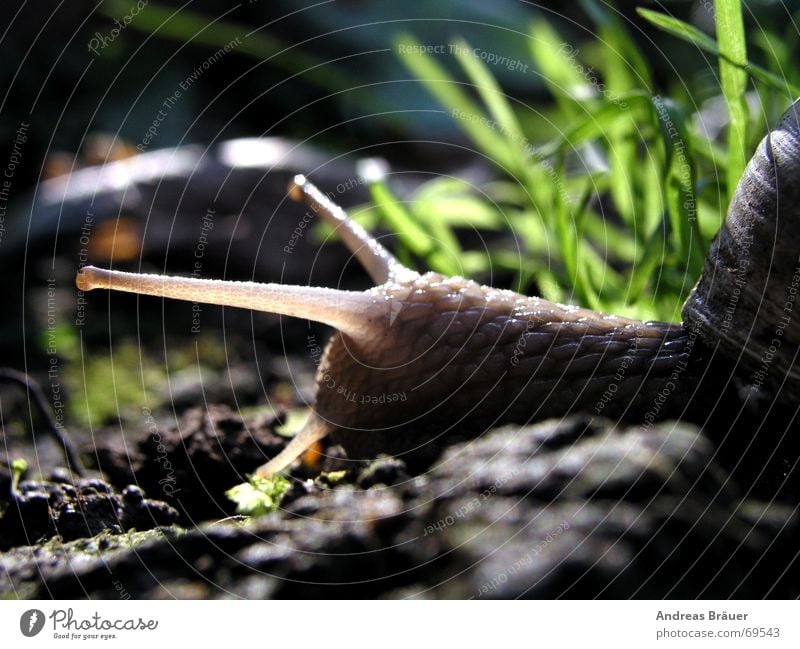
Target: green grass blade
[(681, 29), (465, 112), (704, 42), (572, 244), (614, 241), (429, 237), (538, 178), (412, 235), (772, 80), (490, 92), (460, 210), (623, 70), (555, 60), (447, 254), (680, 183), (655, 249), (627, 69), (597, 122), (730, 35), (495, 101)]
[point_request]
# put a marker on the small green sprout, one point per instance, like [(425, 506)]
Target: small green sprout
[(18, 469), (258, 495), (333, 478)]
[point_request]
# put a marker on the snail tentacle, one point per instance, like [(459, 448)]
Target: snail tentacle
[(314, 430), (379, 263), (349, 311)]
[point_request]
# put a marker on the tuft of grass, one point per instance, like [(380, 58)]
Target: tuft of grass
[(616, 211)]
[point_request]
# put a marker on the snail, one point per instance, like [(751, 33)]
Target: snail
[(422, 357)]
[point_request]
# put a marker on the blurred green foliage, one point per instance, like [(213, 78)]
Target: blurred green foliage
[(628, 232)]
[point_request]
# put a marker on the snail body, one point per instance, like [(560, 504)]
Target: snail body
[(420, 357), (454, 358)]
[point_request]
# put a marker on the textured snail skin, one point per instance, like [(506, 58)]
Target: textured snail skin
[(453, 358), (422, 358)]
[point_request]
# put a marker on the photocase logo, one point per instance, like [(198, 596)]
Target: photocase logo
[(31, 622)]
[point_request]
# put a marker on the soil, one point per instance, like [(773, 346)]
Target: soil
[(567, 508)]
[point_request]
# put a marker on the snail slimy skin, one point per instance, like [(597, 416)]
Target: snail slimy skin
[(422, 357)]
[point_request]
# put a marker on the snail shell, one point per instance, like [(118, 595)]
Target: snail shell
[(419, 358), (745, 304)]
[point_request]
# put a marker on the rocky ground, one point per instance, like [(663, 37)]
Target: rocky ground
[(570, 508)]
